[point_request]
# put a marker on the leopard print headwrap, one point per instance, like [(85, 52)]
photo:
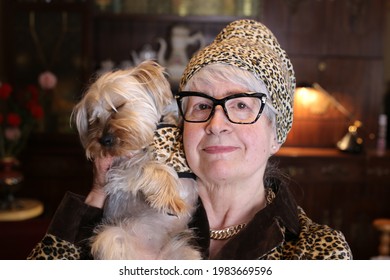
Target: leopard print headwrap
[(251, 46)]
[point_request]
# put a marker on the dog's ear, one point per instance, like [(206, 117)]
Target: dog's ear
[(153, 76), (79, 118)]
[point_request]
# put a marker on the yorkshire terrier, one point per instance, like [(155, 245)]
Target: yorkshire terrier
[(149, 197)]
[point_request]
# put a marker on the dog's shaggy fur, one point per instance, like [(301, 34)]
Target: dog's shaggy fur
[(148, 207)]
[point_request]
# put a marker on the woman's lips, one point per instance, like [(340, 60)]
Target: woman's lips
[(219, 149)]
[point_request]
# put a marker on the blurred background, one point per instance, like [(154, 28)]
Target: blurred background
[(336, 154)]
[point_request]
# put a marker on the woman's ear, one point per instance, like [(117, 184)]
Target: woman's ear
[(275, 146)]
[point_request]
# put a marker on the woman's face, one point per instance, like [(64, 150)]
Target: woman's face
[(221, 152)]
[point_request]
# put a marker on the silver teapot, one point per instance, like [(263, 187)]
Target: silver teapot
[(146, 53)]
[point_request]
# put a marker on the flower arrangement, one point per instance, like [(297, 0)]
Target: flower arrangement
[(20, 112)]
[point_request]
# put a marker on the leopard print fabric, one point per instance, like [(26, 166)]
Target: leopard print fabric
[(168, 149), (315, 242), (251, 46), (53, 248)]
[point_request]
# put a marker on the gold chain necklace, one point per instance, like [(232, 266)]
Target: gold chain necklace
[(222, 234), (226, 233)]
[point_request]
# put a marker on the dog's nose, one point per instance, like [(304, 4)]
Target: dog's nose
[(107, 140)]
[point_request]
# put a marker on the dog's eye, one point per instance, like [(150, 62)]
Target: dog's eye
[(117, 108)]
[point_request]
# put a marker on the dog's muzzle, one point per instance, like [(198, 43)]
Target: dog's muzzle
[(107, 140)]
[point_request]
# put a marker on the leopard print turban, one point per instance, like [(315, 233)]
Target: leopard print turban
[(251, 46)]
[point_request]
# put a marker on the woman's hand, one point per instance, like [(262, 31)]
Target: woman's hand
[(97, 196)]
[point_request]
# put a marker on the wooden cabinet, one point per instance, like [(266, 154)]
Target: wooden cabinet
[(72, 39), (343, 27), (50, 36), (344, 191), (44, 36), (357, 83), (352, 28), (116, 36), (338, 44)]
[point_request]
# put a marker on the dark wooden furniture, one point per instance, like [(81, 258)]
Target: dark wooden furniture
[(344, 191), (338, 44), (53, 165)]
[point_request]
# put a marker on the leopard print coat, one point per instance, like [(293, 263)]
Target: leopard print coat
[(290, 236)]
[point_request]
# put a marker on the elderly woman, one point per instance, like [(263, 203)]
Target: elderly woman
[(236, 100), (236, 104)]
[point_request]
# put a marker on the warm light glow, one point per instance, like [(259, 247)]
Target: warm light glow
[(310, 98), (352, 128), (305, 96)]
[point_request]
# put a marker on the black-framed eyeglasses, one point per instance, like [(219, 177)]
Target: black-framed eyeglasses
[(239, 108)]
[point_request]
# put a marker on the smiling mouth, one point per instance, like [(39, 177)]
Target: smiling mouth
[(219, 149)]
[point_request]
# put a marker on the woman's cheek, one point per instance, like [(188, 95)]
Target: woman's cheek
[(188, 143), (191, 143)]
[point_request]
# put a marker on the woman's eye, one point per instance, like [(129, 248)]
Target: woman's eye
[(242, 106), (202, 106)]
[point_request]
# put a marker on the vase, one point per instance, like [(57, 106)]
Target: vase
[(10, 181)]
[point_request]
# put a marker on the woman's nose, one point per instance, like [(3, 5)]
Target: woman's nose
[(218, 122)]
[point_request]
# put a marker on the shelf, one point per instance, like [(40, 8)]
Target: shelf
[(50, 7), (166, 18)]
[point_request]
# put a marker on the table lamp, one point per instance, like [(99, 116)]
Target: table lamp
[(318, 100)]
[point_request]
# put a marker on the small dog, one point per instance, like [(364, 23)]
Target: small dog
[(148, 207)]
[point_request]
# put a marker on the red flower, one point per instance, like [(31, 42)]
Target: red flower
[(14, 119), (20, 112), (5, 91), (37, 111), (33, 90)]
